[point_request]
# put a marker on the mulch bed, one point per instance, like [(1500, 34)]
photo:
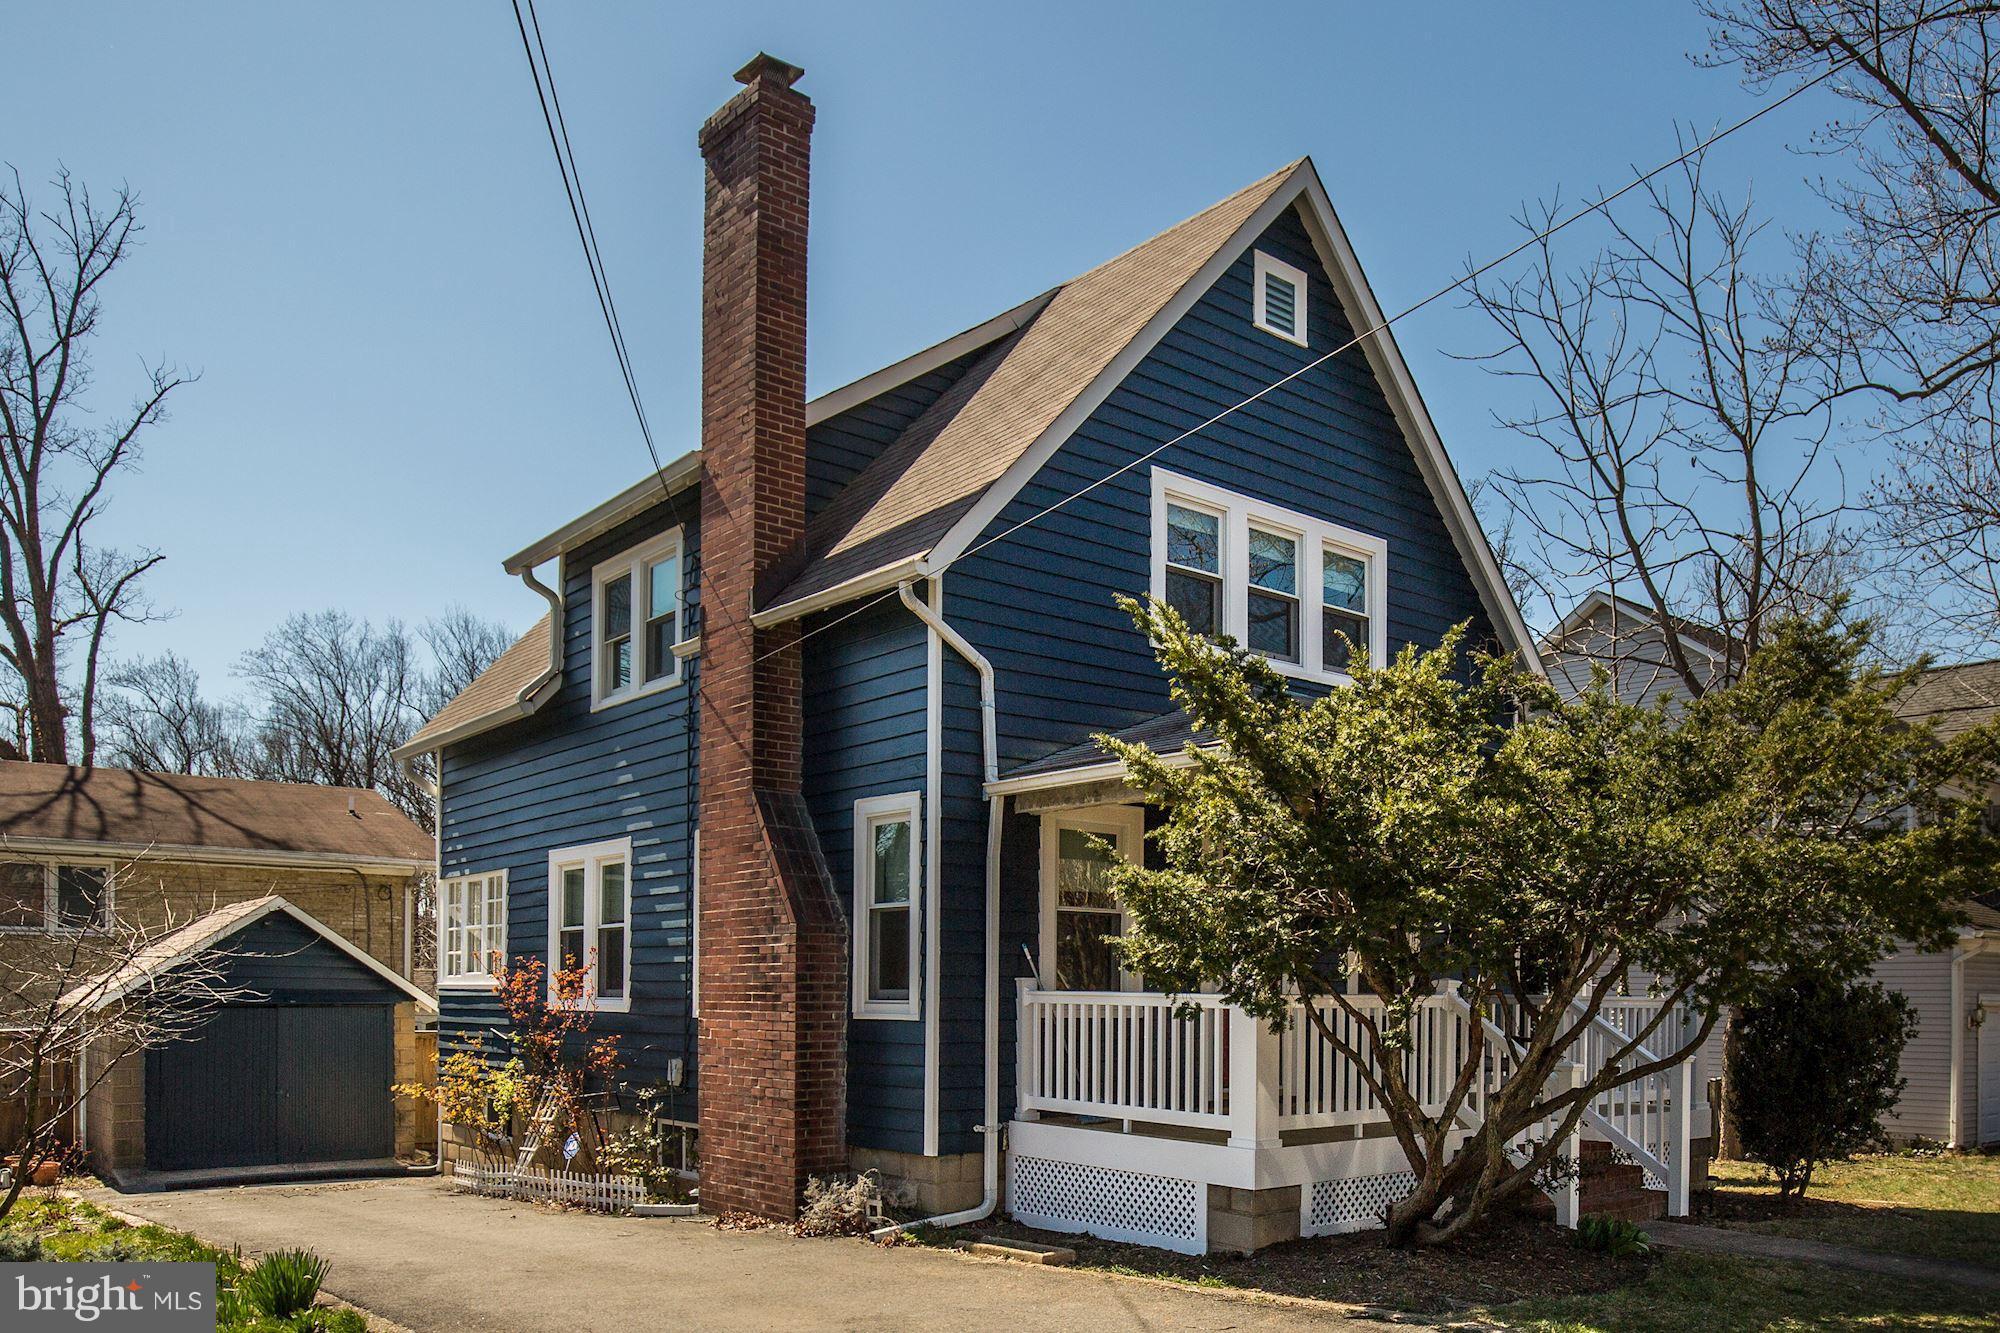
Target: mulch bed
[(1507, 1260)]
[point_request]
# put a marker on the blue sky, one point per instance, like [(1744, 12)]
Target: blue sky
[(356, 233)]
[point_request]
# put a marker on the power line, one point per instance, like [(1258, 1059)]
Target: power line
[(1469, 276), (1359, 338), (579, 210)]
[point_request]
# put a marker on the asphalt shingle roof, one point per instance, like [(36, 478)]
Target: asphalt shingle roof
[(167, 811)]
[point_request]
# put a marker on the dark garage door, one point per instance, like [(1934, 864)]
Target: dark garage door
[(270, 1085)]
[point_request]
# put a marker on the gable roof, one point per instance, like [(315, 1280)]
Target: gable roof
[(508, 689), (1562, 638), (58, 806), (1956, 698), (927, 498), (205, 932)]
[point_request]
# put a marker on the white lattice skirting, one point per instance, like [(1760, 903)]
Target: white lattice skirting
[(608, 1194), (1116, 1205), (1355, 1203)]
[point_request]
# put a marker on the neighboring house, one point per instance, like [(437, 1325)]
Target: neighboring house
[(1952, 1065), (800, 762), (303, 896)]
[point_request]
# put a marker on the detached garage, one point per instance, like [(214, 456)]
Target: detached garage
[(290, 1076)]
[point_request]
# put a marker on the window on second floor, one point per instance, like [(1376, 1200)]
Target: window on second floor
[(590, 919), (52, 897), (472, 929), (1301, 590), (887, 880), (637, 619)]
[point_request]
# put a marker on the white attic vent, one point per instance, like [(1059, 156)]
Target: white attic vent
[(1280, 299)]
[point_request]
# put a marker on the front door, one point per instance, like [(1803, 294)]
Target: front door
[(1080, 914)]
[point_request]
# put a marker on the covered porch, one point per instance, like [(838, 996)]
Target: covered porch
[(1183, 1122)]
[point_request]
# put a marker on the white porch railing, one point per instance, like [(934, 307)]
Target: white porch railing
[(1135, 1056)]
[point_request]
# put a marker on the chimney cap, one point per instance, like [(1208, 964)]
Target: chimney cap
[(765, 63)]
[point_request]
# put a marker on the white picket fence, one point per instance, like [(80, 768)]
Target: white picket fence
[(607, 1194)]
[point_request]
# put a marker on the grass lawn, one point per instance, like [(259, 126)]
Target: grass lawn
[(1698, 1293), (1943, 1207), (71, 1230)]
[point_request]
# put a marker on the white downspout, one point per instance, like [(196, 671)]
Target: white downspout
[(990, 747)]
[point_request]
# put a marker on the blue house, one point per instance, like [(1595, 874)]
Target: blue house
[(801, 756)]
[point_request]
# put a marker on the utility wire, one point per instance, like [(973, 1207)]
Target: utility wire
[(1359, 338), (579, 210), (1470, 275)]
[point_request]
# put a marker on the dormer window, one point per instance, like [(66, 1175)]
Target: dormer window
[(637, 619), (1279, 301)]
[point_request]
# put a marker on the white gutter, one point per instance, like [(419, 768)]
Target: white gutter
[(875, 580), (330, 862), (990, 746), (525, 701)]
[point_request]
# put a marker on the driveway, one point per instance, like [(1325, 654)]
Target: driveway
[(427, 1257)]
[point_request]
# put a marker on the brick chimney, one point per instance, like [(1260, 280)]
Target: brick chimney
[(773, 937)]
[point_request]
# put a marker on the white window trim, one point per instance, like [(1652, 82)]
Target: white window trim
[(1271, 264), (867, 812), (1125, 827), (50, 915), (694, 925), (634, 562), (480, 980), (591, 857), (1239, 512)]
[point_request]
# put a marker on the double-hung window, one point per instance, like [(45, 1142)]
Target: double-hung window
[(1273, 594), (637, 620), (472, 929), (590, 919), (1194, 566), (1345, 611), (887, 879), (51, 897), (1303, 591)]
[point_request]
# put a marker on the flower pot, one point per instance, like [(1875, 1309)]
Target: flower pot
[(47, 1172)]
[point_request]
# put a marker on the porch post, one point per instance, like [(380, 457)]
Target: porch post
[(1253, 1082), (1677, 1084), (1027, 1051), (1569, 1196)]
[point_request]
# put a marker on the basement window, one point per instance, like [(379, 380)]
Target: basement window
[(590, 916), (1278, 302), (887, 882), (46, 897), (472, 929), (638, 616)]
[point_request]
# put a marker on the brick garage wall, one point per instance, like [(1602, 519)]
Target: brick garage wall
[(115, 1116), (773, 938)]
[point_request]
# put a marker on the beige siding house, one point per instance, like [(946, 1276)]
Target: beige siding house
[(1952, 1065), (310, 892)]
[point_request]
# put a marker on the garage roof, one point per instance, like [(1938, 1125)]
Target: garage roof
[(166, 814)]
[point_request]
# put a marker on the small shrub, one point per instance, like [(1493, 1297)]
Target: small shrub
[(17, 1248), (1613, 1236), (842, 1205), (284, 1282), (1813, 1071)]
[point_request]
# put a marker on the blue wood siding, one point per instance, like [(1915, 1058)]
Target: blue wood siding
[(865, 736), (839, 447), (278, 960), (1039, 604), (567, 776)]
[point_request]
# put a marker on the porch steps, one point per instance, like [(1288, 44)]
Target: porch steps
[(1609, 1188)]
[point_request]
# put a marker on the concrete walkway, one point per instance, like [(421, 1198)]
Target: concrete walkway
[(1756, 1245), (415, 1252)]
